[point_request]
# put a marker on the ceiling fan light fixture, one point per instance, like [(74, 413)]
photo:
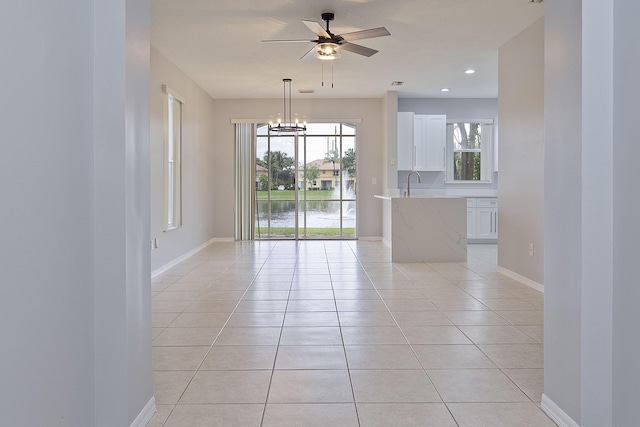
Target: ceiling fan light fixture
[(328, 51)]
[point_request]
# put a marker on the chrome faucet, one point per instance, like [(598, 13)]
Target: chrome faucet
[(409, 182)]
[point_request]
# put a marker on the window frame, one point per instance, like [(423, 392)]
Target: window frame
[(486, 152), (173, 135)]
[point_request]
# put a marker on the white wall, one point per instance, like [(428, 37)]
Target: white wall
[(370, 139), (454, 108), (591, 270), (47, 174), (563, 188), (75, 294), (390, 121), (200, 182), (626, 206), (521, 152)]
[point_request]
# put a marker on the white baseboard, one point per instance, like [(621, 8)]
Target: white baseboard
[(370, 238), (556, 414), (524, 280), (181, 258), (145, 415), (222, 240)]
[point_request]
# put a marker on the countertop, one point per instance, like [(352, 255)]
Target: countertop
[(448, 192)]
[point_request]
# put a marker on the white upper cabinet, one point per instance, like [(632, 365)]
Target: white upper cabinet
[(405, 141), (421, 142), (430, 139)]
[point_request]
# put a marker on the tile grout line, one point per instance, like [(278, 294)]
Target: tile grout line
[(344, 349), (275, 359)]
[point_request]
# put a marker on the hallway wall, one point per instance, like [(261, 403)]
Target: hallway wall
[(521, 189), (46, 307), (74, 276), (201, 182), (592, 60)]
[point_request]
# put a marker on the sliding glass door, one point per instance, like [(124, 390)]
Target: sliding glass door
[(305, 185)]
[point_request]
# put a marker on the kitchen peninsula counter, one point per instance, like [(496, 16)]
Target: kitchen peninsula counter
[(425, 228)]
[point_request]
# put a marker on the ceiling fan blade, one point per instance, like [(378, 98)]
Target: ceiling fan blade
[(317, 29), (356, 48), (288, 41), (310, 54), (366, 34)]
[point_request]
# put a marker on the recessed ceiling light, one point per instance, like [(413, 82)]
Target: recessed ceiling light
[(396, 83), (469, 71), (444, 89)]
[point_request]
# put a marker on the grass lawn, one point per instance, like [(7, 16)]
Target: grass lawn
[(290, 195), (311, 232)]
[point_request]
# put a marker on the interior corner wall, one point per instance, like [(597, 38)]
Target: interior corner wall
[(390, 118), (370, 143), (521, 153), (626, 205), (563, 205), (201, 158), (122, 375)]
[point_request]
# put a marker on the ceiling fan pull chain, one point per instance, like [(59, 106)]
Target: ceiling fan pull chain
[(323, 75), (332, 75)]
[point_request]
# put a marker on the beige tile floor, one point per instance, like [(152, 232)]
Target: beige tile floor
[(331, 333)]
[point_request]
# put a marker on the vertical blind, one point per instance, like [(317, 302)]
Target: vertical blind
[(245, 181)]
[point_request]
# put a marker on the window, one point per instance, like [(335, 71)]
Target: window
[(172, 159), (469, 151)]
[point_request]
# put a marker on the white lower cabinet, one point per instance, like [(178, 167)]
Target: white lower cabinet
[(482, 218), (471, 218)]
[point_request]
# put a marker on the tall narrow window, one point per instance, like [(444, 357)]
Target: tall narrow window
[(172, 159)]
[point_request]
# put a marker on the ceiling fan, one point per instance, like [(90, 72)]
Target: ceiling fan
[(329, 45)]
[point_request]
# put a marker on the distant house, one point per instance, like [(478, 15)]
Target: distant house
[(328, 178)]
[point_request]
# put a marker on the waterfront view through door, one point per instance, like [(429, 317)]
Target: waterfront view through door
[(305, 185)]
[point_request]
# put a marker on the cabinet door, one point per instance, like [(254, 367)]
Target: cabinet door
[(405, 142), (487, 223), (430, 137), (471, 223)]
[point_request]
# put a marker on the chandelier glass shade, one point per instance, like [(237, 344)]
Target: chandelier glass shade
[(285, 123)]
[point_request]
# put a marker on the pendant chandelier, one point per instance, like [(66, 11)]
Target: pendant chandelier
[(285, 123)]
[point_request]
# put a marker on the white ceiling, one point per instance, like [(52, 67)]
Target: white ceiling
[(218, 44)]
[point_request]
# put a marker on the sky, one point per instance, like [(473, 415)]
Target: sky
[(317, 146)]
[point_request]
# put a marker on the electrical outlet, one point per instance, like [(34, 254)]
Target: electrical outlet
[(392, 162), (530, 249), (374, 181)]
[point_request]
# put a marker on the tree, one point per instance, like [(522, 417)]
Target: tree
[(264, 182), (311, 173), (467, 166), (333, 156), (280, 167), (349, 162)]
